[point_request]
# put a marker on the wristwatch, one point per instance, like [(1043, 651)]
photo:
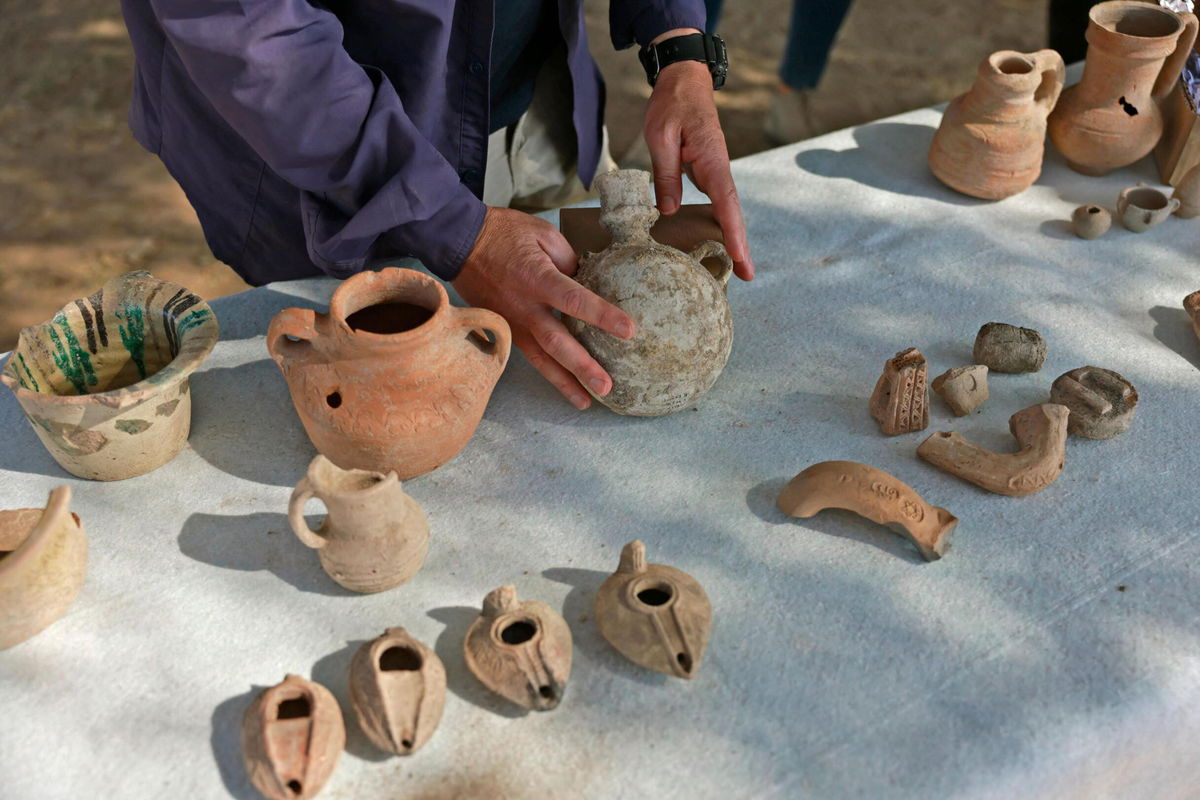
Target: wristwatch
[(703, 47)]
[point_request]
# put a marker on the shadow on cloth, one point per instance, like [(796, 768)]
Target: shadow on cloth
[(226, 742), (333, 672), (1174, 329)]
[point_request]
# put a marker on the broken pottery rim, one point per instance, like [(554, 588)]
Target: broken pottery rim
[(55, 509), (387, 283), (195, 345)]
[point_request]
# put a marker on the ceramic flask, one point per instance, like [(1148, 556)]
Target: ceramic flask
[(684, 327), (374, 537), (105, 381), (43, 558), (292, 739), (991, 139), (393, 378), (1111, 118)]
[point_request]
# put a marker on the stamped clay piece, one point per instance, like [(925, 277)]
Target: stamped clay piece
[(1101, 401), (963, 388), (1041, 432), (292, 738), (900, 402), (521, 651), (1007, 348), (654, 615), (871, 493), (1091, 222), (1191, 304), (398, 689)]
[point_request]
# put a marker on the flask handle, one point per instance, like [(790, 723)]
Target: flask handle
[(713, 249), (1054, 74), (291, 332), (1173, 67)]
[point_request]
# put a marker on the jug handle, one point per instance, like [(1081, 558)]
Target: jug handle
[(298, 323), (713, 249), (1054, 75), (480, 319), (1173, 68), (300, 496)]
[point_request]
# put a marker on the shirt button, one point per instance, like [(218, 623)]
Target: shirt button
[(477, 68), (471, 175)]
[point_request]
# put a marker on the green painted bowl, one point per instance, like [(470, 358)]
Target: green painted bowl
[(105, 381)]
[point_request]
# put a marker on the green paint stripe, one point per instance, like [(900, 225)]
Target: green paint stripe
[(133, 335), (191, 321), (32, 380), (63, 361), (78, 353)]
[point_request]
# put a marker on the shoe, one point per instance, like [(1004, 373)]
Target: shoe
[(790, 118)]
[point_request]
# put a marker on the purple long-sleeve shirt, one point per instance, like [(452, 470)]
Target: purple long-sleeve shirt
[(320, 137)]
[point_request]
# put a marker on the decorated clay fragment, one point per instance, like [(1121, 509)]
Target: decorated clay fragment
[(520, 650), (1006, 348), (292, 738), (398, 689), (874, 494), (654, 615), (374, 537), (1191, 304), (900, 402), (1188, 194), (1101, 401), (1142, 207), (393, 378), (683, 327), (963, 388), (1041, 433), (105, 382), (43, 559), (1091, 221)]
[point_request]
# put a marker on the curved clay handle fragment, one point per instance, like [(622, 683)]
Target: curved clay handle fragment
[(481, 319), (1191, 304), (1054, 73), (1168, 76), (873, 494), (298, 323), (1040, 430)]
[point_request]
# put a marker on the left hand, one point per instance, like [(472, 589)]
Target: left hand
[(683, 133)]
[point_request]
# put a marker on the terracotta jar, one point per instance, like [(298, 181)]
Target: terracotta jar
[(1111, 118), (43, 558), (292, 739), (991, 139), (393, 378), (105, 381), (684, 328), (374, 537)]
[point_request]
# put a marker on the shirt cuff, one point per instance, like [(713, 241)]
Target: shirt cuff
[(655, 18)]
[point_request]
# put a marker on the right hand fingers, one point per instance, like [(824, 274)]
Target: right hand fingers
[(552, 371), (576, 301), (560, 345)]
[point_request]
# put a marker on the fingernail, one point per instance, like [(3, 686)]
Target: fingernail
[(624, 330), (669, 205), (598, 386), (579, 401)]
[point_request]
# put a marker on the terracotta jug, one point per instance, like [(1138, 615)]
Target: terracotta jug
[(43, 558), (684, 328), (393, 378), (374, 537), (292, 739), (1111, 118), (991, 139)]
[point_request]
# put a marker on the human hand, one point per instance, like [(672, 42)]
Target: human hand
[(683, 133), (519, 268)]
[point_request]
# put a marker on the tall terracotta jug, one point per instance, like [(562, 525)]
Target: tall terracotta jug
[(374, 537), (991, 140), (1111, 118), (393, 378)]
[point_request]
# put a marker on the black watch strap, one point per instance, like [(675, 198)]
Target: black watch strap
[(702, 47)]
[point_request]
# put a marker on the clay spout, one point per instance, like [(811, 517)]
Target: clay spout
[(1041, 433), (871, 493)]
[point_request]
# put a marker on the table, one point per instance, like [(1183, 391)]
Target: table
[(1054, 652)]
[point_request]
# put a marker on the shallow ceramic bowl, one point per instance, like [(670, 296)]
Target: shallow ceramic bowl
[(105, 381)]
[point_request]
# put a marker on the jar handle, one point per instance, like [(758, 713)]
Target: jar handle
[(714, 249), (480, 319), (302, 494), (1054, 75), (1173, 67), (300, 324)]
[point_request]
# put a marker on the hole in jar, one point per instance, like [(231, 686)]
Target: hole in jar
[(295, 787), (296, 708), (1127, 106), (655, 595), (334, 400), (518, 632), (388, 318), (399, 659), (1093, 210), (1015, 65)]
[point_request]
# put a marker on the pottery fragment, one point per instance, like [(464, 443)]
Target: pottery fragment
[(1141, 207), (874, 494), (374, 537), (105, 382), (1041, 433), (398, 690), (1006, 348), (900, 402), (292, 738), (654, 615), (1191, 304), (43, 560), (1188, 194), (520, 650), (1101, 401), (1091, 221), (963, 388)]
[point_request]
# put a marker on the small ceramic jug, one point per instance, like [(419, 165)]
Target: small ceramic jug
[(393, 378), (375, 536), (1111, 118), (43, 558), (1141, 207), (684, 328), (991, 139)]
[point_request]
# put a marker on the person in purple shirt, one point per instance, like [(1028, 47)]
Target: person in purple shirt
[(326, 136)]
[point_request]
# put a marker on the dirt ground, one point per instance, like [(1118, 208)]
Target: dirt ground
[(80, 201)]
